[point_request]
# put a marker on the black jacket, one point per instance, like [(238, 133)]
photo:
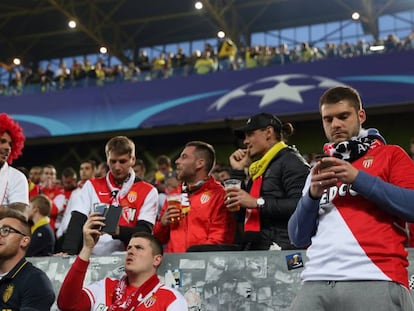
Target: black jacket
[(281, 189), (42, 242), (26, 288)]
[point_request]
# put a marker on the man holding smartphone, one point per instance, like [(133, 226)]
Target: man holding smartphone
[(138, 289), (352, 216), (133, 201)]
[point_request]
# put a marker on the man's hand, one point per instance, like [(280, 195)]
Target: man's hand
[(91, 234), (325, 176), (170, 213), (240, 159), (238, 197)]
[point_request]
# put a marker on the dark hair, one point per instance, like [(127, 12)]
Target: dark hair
[(104, 164), (205, 151), (10, 213), (48, 166), (69, 172), (338, 93), (91, 162), (156, 245), (140, 162), (286, 131), (163, 160)]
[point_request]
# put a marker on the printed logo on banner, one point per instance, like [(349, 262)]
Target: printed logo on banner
[(294, 261)]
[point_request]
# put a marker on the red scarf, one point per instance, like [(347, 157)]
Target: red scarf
[(252, 218), (144, 293)]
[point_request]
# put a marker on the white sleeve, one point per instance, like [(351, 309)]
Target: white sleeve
[(83, 203), (97, 294), (149, 208), (67, 213), (60, 201), (178, 304), (17, 188)]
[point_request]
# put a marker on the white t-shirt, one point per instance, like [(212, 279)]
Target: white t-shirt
[(14, 186)]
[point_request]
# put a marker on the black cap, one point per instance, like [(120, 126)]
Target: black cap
[(259, 121)]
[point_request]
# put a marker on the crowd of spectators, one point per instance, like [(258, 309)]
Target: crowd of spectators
[(227, 56)]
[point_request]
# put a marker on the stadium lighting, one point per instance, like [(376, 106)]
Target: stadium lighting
[(72, 24), (17, 61), (198, 5), (103, 50), (355, 16), (221, 34)]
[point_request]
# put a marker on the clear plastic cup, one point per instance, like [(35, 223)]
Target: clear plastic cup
[(229, 184), (174, 201)]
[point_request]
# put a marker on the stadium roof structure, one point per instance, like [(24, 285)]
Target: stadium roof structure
[(36, 30)]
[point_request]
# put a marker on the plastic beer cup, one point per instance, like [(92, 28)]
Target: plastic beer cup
[(174, 200), (229, 184)]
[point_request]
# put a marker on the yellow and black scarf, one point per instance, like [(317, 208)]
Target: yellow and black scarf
[(256, 170)]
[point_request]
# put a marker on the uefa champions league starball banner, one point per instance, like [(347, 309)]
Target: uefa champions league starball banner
[(381, 79)]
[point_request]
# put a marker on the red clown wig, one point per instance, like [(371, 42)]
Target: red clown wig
[(16, 133)]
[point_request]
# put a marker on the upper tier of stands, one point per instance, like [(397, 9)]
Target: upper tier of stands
[(25, 80)]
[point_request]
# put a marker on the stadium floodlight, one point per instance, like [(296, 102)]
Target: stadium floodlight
[(72, 24), (198, 5), (221, 34), (17, 61), (103, 50), (355, 16)]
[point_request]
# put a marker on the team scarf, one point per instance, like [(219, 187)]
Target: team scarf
[(186, 191), (117, 192), (143, 294), (256, 171), (258, 167), (354, 148)]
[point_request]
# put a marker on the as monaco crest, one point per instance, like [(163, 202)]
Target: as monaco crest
[(368, 161), (132, 196), (150, 301), (205, 197)]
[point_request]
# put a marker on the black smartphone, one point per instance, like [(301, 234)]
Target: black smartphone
[(101, 208), (112, 216)]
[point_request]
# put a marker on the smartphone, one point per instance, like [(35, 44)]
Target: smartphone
[(324, 164), (101, 208), (112, 216)]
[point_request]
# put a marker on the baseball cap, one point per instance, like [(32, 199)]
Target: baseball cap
[(259, 121)]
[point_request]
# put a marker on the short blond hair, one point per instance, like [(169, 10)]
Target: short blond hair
[(43, 203), (120, 145)]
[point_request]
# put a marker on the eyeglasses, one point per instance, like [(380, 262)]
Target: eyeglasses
[(5, 231)]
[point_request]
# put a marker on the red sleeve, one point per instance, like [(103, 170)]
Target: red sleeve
[(72, 287), (411, 235), (160, 231), (222, 226)]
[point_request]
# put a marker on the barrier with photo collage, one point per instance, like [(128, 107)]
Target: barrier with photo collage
[(212, 281)]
